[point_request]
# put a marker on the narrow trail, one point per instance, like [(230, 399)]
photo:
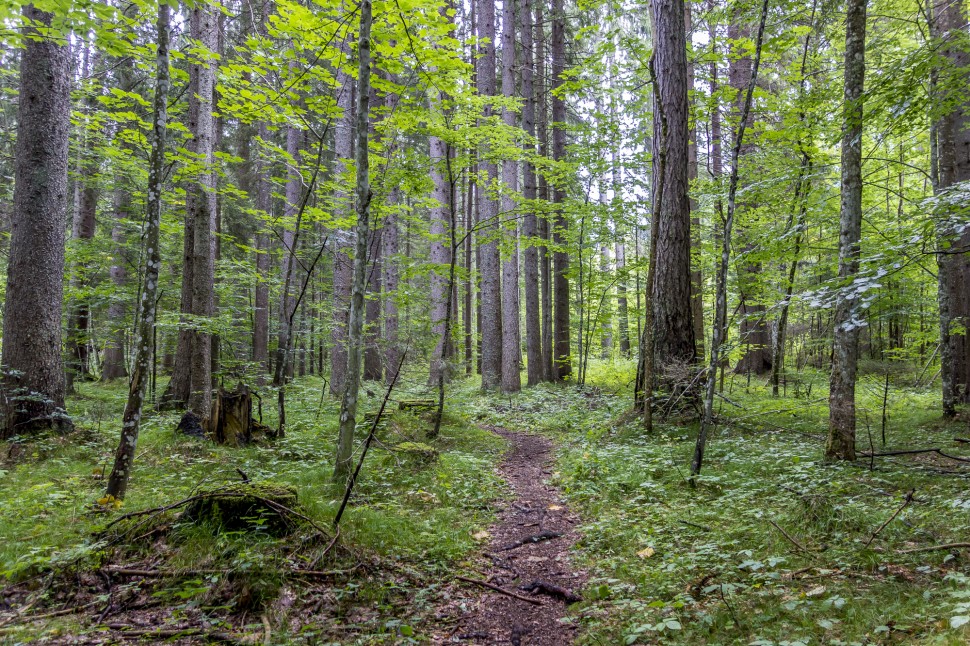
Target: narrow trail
[(486, 617)]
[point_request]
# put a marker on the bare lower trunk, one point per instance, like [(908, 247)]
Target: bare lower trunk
[(348, 404), (125, 455), (261, 290), (389, 241), (490, 266), (33, 375), (952, 140), (291, 220), (530, 229), (511, 339), (206, 29), (342, 263), (848, 315), (673, 320), (440, 260), (720, 331), (562, 364)]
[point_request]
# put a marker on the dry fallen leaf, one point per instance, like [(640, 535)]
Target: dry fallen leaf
[(481, 536), (554, 507), (814, 592), (646, 552)]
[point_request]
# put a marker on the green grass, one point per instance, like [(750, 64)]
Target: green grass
[(418, 514), (671, 564)]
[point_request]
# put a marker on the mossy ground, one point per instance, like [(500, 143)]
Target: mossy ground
[(671, 564), (416, 517), (668, 564)]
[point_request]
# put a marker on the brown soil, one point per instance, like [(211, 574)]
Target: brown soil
[(487, 617)]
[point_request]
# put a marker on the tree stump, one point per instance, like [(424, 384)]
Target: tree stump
[(246, 506), (231, 422)]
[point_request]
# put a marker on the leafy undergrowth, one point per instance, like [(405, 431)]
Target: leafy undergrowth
[(773, 546), (412, 516)]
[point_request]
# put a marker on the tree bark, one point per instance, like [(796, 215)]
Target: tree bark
[(391, 278), (348, 404), (511, 336), (673, 319), (261, 290), (440, 259), (205, 26), (530, 255), (490, 267), (125, 454), (848, 316), (289, 237), (33, 375), (562, 364), (953, 262), (542, 188), (696, 278), (342, 263), (115, 364)]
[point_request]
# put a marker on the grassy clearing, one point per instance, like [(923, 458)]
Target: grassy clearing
[(411, 514), (713, 565)]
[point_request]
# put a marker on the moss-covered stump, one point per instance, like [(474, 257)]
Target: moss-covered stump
[(246, 506), (420, 453), (417, 404)]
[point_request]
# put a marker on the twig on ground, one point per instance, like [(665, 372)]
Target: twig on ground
[(536, 538), (789, 537), (734, 617), (933, 548), (486, 584), (704, 528), (906, 501)]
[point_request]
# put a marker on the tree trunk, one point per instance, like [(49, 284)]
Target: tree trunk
[(530, 268), (848, 314), (673, 318), (82, 231), (562, 364), (291, 220), (490, 267), (511, 337), (391, 278), (205, 27), (719, 333), (342, 263), (440, 259), (261, 291), (115, 365), (125, 455), (33, 375), (348, 404), (952, 142), (545, 268), (696, 279), (755, 335)]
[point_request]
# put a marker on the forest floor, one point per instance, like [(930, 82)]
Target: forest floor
[(773, 547)]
